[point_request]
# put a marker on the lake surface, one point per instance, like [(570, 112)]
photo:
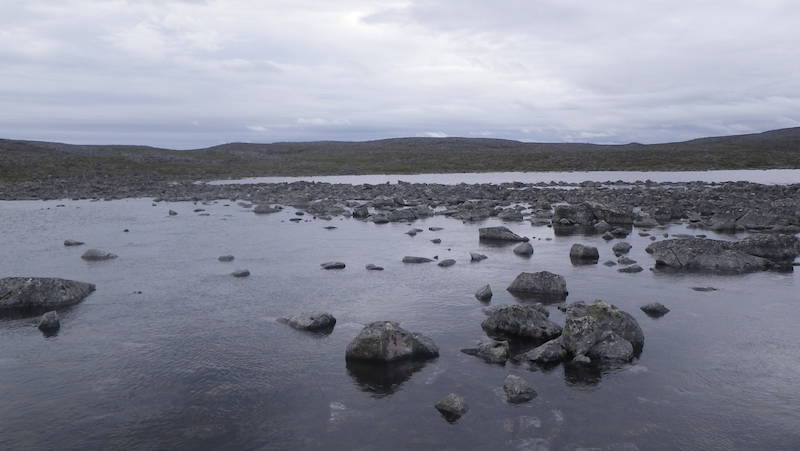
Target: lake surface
[(171, 352)]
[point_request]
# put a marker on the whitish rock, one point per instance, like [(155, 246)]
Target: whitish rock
[(484, 294), (309, 321), (96, 255), (386, 341), (518, 390), (41, 292), (452, 407), (543, 282), (49, 322)]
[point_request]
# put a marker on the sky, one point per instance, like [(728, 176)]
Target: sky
[(185, 74)]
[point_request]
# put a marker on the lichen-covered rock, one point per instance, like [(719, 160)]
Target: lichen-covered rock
[(518, 390), (525, 321), (491, 351), (386, 341), (542, 282), (499, 233), (617, 321), (309, 321), (580, 334), (41, 292)]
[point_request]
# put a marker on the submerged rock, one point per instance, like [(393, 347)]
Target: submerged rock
[(373, 267), (386, 341), (309, 321), (41, 292), (240, 273), (73, 243), (476, 257), (225, 258)]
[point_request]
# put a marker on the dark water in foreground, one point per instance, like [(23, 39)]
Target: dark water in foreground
[(197, 360)]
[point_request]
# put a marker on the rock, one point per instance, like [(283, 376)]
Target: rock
[(97, 255), (607, 236), (527, 321), (265, 209), (240, 273), (226, 258), (631, 269), (702, 253), (484, 294), (41, 292), (413, 232), (525, 249), (587, 325), (372, 267), (704, 289), (580, 334), (73, 243), (619, 232), (581, 252), (543, 282), (549, 352), (386, 341), (611, 348), (621, 248), (476, 257), (332, 265), (776, 247), (625, 261), (603, 227), (452, 407), (172, 212), (49, 322), (409, 259), (617, 321), (310, 321), (436, 240), (581, 360), (447, 262), (518, 390), (491, 351), (499, 233), (655, 309)]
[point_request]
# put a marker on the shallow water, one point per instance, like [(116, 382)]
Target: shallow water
[(197, 360)]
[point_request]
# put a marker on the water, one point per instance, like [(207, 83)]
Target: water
[(171, 352)]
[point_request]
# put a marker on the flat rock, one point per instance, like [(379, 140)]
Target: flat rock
[(491, 351), (49, 322), (332, 265), (310, 321), (240, 273), (373, 267), (97, 255), (499, 233), (41, 292), (631, 269), (386, 341), (411, 259), (447, 262), (73, 243), (225, 258)]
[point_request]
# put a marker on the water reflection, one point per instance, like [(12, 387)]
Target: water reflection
[(383, 379)]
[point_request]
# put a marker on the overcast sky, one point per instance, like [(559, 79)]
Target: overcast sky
[(194, 73)]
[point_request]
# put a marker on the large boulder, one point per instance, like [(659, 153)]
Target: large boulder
[(611, 348), (41, 292), (601, 332), (542, 282), (524, 321), (499, 233), (309, 321), (776, 247), (386, 341), (701, 253)]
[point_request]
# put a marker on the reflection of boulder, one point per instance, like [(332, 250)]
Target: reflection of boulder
[(382, 379)]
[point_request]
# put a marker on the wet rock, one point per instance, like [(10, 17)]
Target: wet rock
[(372, 267), (615, 320), (452, 407), (240, 273), (549, 352), (655, 309), (225, 258), (484, 293), (499, 233), (491, 351), (527, 321), (97, 255), (518, 390), (621, 248), (411, 259), (265, 209), (332, 265), (525, 249), (310, 321), (581, 252), (386, 341), (41, 292), (447, 262), (631, 269), (476, 257), (542, 282), (73, 243), (49, 322)]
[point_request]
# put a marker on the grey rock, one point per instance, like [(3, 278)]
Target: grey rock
[(41, 292), (49, 322), (97, 255), (332, 265), (603, 227), (581, 360), (386, 341), (610, 263), (655, 309), (172, 212), (265, 209), (447, 262), (491, 351), (549, 352), (484, 293), (524, 249), (631, 269), (413, 232), (226, 258), (73, 243), (373, 267), (518, 390), (436, 240), (580, 334), (240, 273), (309, 321), (607, 236), (525, 321), (749, 254), (615, 320), (542, 282), (476, 257), (410, 259), (499, 233), (704, 289), (611, 348), (581, 252), (621, 248), (452, 407), (626, 261)]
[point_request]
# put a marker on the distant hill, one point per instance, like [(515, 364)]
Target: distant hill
[(40, 162)]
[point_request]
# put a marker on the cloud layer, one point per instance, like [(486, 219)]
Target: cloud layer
[(194, 73)]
